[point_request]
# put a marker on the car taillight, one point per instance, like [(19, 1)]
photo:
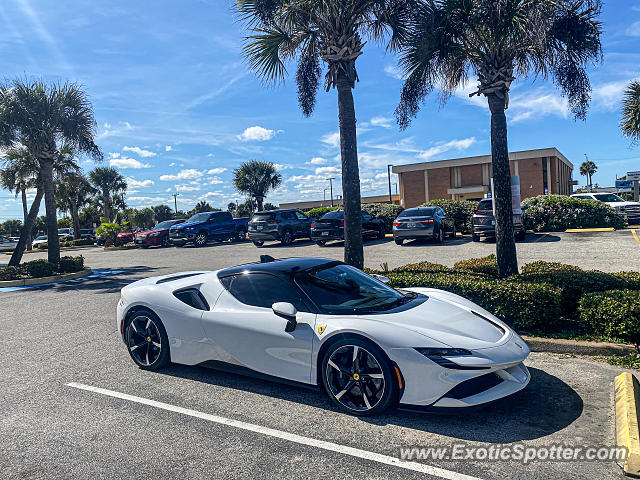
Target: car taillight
[(313, 224), (342, 223), (477, 212), (428, 222), (397, 224)]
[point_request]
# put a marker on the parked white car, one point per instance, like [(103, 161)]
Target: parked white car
[(7, 245), (38, 241), (320, 322), (630, 209)]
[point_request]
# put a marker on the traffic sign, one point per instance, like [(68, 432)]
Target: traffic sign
[(633, 176)]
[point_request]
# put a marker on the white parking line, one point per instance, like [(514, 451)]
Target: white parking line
[(291, 437)]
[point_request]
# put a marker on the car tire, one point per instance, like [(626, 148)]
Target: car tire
[(475, 238), (399, 241), (321, 243), (382, 232), (521, 237), (241, 235), (287, 238), (440, 237), (146, 340), (165, 242), (258, 243), (352, 385), (201, 239), (453, 233)]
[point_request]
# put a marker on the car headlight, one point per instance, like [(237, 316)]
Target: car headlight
[(439, 356), (154, 234)]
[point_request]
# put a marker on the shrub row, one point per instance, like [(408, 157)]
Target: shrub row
[(42, 268), (71, 243), (555, 213), (485, 266), (385, 211), (320, 211), (615, 314)]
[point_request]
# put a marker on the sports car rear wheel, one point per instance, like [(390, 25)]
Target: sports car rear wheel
[(358, 377), (147, 341)]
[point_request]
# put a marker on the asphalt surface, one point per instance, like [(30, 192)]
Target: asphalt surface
[(55, 335)]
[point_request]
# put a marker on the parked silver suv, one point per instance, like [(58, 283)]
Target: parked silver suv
[(484, 223)]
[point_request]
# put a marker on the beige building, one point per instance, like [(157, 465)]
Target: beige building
[(541, 172)]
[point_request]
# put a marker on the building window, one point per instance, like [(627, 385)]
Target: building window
[(545, 169)]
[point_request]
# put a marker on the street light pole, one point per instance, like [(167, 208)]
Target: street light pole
[(331, 179), (389, 178), (175, 201)]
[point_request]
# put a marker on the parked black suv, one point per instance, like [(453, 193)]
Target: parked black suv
[(279, 225), (331, 227), (484, 223)]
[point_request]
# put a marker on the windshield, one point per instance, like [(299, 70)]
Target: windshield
[(343, 289), (43, 237), (199, 217), (337, 214), (418, 212), (164, 225), (608, 197)]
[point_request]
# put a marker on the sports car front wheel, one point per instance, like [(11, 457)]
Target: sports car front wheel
[(147, 341), (358, 377)]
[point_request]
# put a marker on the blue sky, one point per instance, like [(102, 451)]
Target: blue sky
[(178, 109)]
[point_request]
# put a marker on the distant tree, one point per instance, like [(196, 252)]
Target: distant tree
[(202, 207), (90, 216), (246, 209), (73, 191), (255, 179), (630, 124), (65, 222), (45, 118), (498, 41), (588, 169), (11, 228), (162, 213), (109, 182), (231, 207), (270, 206), (143, 218)]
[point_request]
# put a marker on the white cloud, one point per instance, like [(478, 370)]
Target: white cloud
[(393, 71), (281, 166), (215, 181), (608, 96), (172, 164), (168, 148), (122, 162), (187, 188), (133, 183), (384, 122), (216, 171), (257, 134), (188, 174), (110, 131), (146, 201), (139, 151), (634, 30), (331, 139), (327, 171), (317, 161), (437, 149), (536, 104)]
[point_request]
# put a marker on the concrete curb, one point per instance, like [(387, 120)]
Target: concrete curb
[(577, 347), (43, 280), (626, 390)]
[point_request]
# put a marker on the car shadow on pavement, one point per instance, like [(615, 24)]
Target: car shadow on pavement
[(448, 241), (541, 238), (546, 406)]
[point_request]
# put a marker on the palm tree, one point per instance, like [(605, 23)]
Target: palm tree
[(108, 181), (332, 31), (255, 179), (44, 118), (498, 40), (162, 212), (73, 192), (630, 124), (587, 169), (19, 175)]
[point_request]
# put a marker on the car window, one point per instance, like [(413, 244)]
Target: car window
[(336, 215), (288, 215), (263, 290), (608, 197), (485, 205), (366, 217), (263, 217), (301, 216), (3, 239)]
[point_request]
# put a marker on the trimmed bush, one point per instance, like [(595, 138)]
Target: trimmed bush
[(71, 243), (485, 266), (545, 267), (423, 267), (613, 314), (385, 211), (524, 305), (320, 211), (556, 213), (71, 264), (10, 273), (38, 268), (460, 210)]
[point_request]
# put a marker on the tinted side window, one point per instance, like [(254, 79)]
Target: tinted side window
[(263, 290), (301, 216), (288, 215)]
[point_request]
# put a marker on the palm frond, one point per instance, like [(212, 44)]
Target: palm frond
[(267, 51), (630, 123)]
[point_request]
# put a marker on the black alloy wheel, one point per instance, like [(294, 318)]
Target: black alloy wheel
[(200, 239), (287, 238), (147, 341)]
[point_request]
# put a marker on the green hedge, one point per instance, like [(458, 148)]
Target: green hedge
[(460, 210), (556, 213), (71, 243), (615, 314), (385, 211), (485, 266), (320, 211), (525, 305), (42, 268), (423, 267)]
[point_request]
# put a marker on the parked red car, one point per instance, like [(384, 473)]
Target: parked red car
[(158, 235), (126, 237)]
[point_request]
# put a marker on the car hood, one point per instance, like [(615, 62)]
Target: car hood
[(181, 226), (623, 204), (451, 320), (149, 232)]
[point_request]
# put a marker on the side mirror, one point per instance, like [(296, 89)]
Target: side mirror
[(380, 278), (288, 311)]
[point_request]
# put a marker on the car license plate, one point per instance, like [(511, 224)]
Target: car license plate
[(325, 234), (411, 225), (259, 227), (139, 241)]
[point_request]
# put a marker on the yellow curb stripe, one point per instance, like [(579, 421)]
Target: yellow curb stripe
[(635, 235), (626, 389), (577, 230)]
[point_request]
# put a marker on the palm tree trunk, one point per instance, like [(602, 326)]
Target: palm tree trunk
[(505, 242), (73, 210), (259, 201), (105, 206), (16, 257), (25, 213), (53, 242), (353, 249)]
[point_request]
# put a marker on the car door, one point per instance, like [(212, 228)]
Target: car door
[(215, 225), (245, 330), (369, 228), (304, 225)]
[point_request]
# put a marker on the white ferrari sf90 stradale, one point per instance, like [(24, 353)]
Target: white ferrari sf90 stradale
[(320, 322)]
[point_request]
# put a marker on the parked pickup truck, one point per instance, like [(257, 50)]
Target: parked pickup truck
[(202, 227)]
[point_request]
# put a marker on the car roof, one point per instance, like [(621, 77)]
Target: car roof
[(284, 266)]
